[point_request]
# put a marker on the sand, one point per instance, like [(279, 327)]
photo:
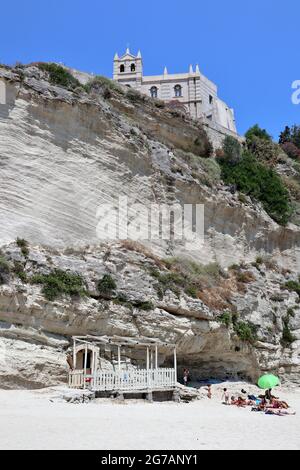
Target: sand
[(30, 420)]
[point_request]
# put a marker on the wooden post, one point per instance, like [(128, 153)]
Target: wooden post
[(175, 364), (156, 357), (147, 363), (119, 358), (95, 367), (151, 359), (148, 375), (85, 362), (74, 353)]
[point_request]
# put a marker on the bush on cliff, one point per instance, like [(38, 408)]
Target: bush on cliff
[(232, 150), (246, 331), (259, 182), (23, 245), (106, 285), (60, 282), (60, 76), (256, 131)]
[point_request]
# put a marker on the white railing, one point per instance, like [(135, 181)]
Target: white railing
[(139, 379)]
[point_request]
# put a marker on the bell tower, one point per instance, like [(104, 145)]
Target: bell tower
[(128, 69)]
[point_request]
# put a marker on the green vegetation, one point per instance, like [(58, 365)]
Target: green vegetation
[(4, 265), (266, 151), (256, 131), (106, 285), (287, 337), (256, 180), (20, 271), (60, 76), (205, 170), (103, 85), (232, 150), (246, 331), (59, 282), (4, 269), (191, 291), (290, 135), (140, 304), (23, 245), (292, 286), (202, 145), (187, 275), (226, 319)]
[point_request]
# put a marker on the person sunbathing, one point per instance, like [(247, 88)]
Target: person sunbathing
[(279, 412), (278, 404), (261, 406)]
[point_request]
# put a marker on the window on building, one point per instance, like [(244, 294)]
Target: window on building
[(132, 67), (122, 68), (178, 91), (211, 99), (153, 92)]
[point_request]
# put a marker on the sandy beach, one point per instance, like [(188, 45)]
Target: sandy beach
[(38, 420)]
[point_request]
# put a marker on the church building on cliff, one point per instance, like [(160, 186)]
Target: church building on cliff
[(192, 90)]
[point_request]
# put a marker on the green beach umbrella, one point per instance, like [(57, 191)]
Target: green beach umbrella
[(268, 381)]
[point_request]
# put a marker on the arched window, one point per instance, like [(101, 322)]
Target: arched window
[(178, 91), (153, 92), (122, 68), (132, 67)]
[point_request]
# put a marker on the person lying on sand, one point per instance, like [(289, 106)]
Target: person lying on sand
[(277, 404), (280, 412), (261, 406), (240, 402)]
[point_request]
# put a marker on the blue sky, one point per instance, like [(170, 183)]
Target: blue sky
[(249, 48)]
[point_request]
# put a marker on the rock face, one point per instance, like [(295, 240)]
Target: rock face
[(63, 155), (35, 333)]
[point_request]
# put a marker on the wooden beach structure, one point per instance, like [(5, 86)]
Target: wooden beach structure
[(124, 376)]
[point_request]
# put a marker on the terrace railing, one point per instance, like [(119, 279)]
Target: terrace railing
[(136, 379)]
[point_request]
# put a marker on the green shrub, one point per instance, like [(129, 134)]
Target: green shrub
[(4, 270), (265, 150), (291, 135), (22, 276), (290, 312), (232, 150), (103, 85), (143, 305), (121, 299), (202, 145), (19, 271), (225, 318), (242, 198), (254, 179), (106, 285), (287, 337), (292, 286), (23, 245), (257, 131), (60, 76), (60, 282), (191, 291), (246, 331), (4, 265)]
